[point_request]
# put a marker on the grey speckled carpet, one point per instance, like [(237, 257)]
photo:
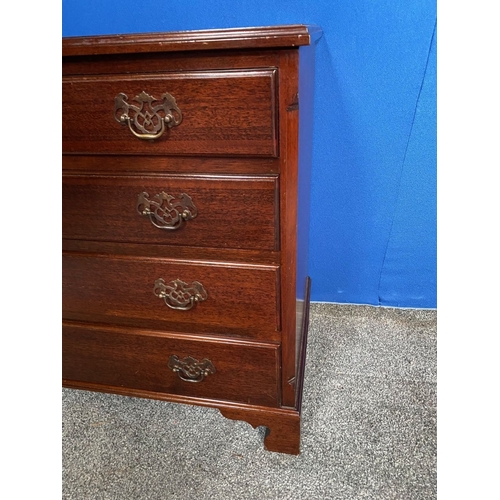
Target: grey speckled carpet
[(369, 426)]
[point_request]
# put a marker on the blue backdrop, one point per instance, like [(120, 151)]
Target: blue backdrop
[(373, 209)]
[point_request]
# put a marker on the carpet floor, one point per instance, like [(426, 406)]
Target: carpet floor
[(368, 428)]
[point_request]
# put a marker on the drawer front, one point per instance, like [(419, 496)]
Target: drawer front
[(186, 296), (166, 363), (210, 211), (230, 112)]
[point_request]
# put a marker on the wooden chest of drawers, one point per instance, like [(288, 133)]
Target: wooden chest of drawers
[(186, 165)]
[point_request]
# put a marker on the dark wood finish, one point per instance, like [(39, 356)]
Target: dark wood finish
[(289, 132), (232, 211), (210, 255), (242, 299), (224, 112), (159, 165), (138, 359), (283, 427), (135, 63), (243, 154), (235, 38)]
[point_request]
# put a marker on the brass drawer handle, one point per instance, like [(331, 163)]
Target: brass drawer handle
[(179, 295), (190, 369), (149, 119), (165, 211)]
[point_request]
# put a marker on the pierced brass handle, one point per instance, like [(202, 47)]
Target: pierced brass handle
[(190, 369), (165, 211), (179, 295), (149, 119)]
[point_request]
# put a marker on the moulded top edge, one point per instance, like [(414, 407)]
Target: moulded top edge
[(233, 38)]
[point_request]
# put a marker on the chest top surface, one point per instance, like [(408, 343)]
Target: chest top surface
[(234, 38)]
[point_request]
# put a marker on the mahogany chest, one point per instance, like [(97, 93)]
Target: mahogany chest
[(186, 167)]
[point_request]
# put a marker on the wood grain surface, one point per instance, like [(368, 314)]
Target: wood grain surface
[(223, 112), (232, 211), (138, 359), (242, 299), (240, 38)]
